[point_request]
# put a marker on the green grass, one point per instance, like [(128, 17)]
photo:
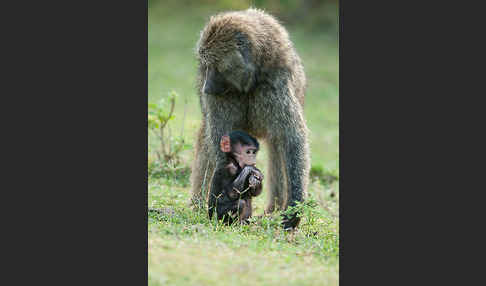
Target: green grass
[(185, 248)]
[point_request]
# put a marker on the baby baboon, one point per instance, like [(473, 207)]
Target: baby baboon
[(237, 181), (250, 78)]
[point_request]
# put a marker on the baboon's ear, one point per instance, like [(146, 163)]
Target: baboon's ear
[(225, 144)]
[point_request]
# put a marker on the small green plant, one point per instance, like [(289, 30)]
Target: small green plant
[(167, 160), (169, 146)]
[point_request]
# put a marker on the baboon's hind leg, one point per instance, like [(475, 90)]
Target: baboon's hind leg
[(202, 170)]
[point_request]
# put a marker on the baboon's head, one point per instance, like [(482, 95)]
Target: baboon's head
[(225, 58)]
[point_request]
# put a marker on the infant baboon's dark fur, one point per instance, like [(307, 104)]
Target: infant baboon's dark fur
[(250, 78), (237, 181)]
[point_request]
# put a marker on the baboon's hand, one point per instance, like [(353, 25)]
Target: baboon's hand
[(257, 174), (254, 181)]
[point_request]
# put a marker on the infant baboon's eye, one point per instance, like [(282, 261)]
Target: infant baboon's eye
[(248, 151)]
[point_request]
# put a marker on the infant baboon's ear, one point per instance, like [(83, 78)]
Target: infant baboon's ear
[(225, 144)]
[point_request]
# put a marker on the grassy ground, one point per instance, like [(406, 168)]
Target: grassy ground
[(185, 248)]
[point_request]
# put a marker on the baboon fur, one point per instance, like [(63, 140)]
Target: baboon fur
[(266, 101)]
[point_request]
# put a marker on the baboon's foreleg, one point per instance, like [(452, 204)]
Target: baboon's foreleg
[(288, 153), (276, 182), (295, 158)]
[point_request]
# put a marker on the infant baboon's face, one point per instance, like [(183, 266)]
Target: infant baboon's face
[(245, 154)]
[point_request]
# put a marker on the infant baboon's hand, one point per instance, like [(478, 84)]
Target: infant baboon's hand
[(254, 181), (257, 174)]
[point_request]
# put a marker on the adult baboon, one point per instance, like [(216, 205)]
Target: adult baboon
[(250, 78)]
